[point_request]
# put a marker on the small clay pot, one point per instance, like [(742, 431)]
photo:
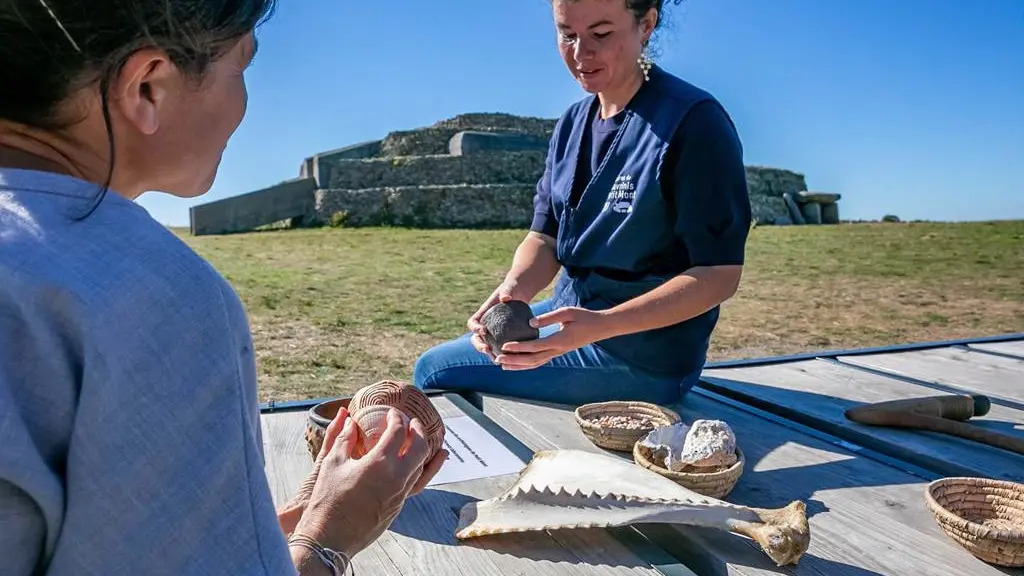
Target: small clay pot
[(319, 417), (508, 322)]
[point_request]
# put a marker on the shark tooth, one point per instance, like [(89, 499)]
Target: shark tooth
[(566, 489)]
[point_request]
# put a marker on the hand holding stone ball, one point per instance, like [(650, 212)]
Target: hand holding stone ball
[(508, 322)]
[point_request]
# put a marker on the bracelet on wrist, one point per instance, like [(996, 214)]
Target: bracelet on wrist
[(337, 562)]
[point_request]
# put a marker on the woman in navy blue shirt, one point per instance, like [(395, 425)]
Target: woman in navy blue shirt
[(643, 215)]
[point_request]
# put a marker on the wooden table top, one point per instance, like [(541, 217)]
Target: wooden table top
[(863, 486)]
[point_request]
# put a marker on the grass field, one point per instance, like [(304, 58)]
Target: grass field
[(335, 309)]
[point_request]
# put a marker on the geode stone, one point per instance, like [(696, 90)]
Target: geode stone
[(508, 322)]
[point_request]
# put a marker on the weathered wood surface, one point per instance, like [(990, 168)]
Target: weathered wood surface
[(866, 518), (817, 392), (1012, 348), (421, 540), (1000, 377)]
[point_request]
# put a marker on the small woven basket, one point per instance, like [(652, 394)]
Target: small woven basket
[(318, 418), (716, 484), (984, 516), (620, 438)]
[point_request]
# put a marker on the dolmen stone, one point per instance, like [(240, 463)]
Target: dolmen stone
[(805, 196), (811, 212), (794, 210)]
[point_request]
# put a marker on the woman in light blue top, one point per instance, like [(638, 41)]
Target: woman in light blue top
[(129, 424)]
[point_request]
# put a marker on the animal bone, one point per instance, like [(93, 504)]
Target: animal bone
[(564, 489)]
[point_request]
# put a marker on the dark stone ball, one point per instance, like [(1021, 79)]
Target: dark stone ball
[(508, 322)]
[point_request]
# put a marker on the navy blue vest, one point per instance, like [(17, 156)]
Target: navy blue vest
[(614, 243)]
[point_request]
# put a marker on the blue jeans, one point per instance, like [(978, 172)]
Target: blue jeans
[(587, 374)]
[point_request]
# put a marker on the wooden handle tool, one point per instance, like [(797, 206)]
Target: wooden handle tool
[(945, 414)]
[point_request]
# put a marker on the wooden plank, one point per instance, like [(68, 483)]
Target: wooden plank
[(817, 392), (1011, 348), (866, 518), (996, 376), (284, 449), (421, 539)]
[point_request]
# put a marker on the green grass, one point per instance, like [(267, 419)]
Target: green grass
[(335, 309)]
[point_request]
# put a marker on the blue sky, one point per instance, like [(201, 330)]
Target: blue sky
[(908, 107)]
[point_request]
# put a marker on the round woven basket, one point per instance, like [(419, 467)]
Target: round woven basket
[(984, 516), (319, 417), (716, 484), (621, 439)]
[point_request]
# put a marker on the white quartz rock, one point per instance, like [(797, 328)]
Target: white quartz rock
[(709, 443)]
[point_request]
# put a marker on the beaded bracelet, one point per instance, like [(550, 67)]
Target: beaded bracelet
[(332, 558)]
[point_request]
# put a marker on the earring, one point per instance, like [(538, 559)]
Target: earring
[(645, 62)]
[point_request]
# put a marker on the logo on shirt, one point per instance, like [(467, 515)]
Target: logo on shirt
[(620, 199)]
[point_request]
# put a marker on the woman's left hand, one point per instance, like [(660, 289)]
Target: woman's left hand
[(579, 327)]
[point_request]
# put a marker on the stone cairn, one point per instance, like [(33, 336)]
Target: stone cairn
[(469, 171)]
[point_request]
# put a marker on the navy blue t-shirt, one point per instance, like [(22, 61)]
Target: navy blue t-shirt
[(703, 171)]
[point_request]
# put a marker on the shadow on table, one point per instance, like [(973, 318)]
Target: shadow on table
[(940, 454), (432, 518)]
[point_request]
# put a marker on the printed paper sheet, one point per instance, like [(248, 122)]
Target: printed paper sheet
[(473, 453)]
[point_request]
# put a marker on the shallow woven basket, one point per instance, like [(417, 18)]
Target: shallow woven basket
[(621, 439), (984, 516), (318, 418), (712, 484)]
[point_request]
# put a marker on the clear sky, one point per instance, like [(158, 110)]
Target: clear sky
[(907, 107)]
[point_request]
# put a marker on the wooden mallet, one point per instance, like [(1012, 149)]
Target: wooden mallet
[(946, 414)]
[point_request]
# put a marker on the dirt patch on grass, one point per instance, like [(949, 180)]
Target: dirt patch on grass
[(297, 359)]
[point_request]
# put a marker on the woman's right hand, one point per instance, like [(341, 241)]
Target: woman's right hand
[(505, 292), (355, 500)]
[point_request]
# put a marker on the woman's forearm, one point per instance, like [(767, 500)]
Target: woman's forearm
[(534, 265), (683, 297)]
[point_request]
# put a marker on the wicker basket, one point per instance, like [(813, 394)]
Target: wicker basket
[(621, 439), (319, 417), (984, 516), (712, 484)]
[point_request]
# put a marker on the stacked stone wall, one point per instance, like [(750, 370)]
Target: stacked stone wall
[(444, 206), (490, 168)]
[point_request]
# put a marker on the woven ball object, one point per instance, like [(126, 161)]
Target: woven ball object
[(716, 484), (984, 516), (621, 438), (365, 408)]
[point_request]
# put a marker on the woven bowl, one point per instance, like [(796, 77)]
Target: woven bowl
[(616, 438), (984, 516), (318, 418), (716, 484)]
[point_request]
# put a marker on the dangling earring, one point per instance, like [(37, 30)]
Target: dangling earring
[(645, 62)]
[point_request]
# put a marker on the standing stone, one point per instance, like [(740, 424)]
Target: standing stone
[(794, 210), (811, 212), (830, 213)]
